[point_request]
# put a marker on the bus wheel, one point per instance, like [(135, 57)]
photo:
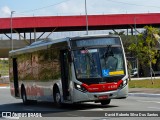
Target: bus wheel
[(105, 102), (24, 96), (57, 98)]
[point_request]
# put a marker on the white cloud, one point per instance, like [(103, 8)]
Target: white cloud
[(5, 11), (107, 7), (77, 7), (70, 7)]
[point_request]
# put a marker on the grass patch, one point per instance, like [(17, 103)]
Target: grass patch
[(144, 84)]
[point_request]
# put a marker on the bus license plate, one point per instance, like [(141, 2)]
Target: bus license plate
[(103, 97)]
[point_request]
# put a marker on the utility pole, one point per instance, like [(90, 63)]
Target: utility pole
[(11, 30), (136, 44), (86, 17)]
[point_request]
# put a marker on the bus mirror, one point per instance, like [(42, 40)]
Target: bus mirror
[(69, 56), (109, 53)]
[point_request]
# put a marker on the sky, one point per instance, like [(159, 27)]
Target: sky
[(76, 7)]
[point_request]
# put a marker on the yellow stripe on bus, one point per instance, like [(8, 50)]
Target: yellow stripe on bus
[(116, 72)]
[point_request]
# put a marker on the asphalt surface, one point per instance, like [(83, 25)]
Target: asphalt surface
[(132, 104), (145, 92)]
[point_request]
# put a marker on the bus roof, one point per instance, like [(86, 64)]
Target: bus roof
[(38, 44), (92, 36), (49, 41)]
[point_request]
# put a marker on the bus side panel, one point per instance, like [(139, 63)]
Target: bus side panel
[(40, 70), (48, 71)]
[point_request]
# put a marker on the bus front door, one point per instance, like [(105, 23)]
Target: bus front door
[(65, 74), (15, 77)]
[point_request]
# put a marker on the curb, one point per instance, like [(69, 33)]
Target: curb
[(144, 95), (4, 87), (145, 78)]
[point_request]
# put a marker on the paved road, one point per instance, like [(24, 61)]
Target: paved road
[(132, 103)]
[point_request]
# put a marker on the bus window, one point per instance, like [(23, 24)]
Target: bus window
[(87, 63), (112, 61)]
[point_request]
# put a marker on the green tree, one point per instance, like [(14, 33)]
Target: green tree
[(144, 48)]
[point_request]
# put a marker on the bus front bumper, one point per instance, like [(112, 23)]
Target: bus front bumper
[(97, 96)]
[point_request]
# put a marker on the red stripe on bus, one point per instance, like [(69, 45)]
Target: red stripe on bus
[(103, 87)]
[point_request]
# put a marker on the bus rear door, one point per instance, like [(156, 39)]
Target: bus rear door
[(64, 73), (15, 77)]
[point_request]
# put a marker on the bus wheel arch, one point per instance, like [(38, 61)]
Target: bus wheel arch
[(57, 96), (24, 95)]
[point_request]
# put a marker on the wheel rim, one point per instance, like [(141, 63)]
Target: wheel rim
[(58, 97), (24, 98)]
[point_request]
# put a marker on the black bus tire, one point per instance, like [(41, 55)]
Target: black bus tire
[(24, 96), (57, 98), (105, 102)]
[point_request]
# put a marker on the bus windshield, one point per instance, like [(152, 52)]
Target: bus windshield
[(99, 62)]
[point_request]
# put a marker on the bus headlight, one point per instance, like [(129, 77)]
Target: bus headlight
[(80, 87), (123, 84)]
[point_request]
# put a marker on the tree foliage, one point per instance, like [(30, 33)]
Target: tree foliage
[(144, 47)]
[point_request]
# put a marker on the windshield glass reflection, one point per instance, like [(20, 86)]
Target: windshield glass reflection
[(97, 63)]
